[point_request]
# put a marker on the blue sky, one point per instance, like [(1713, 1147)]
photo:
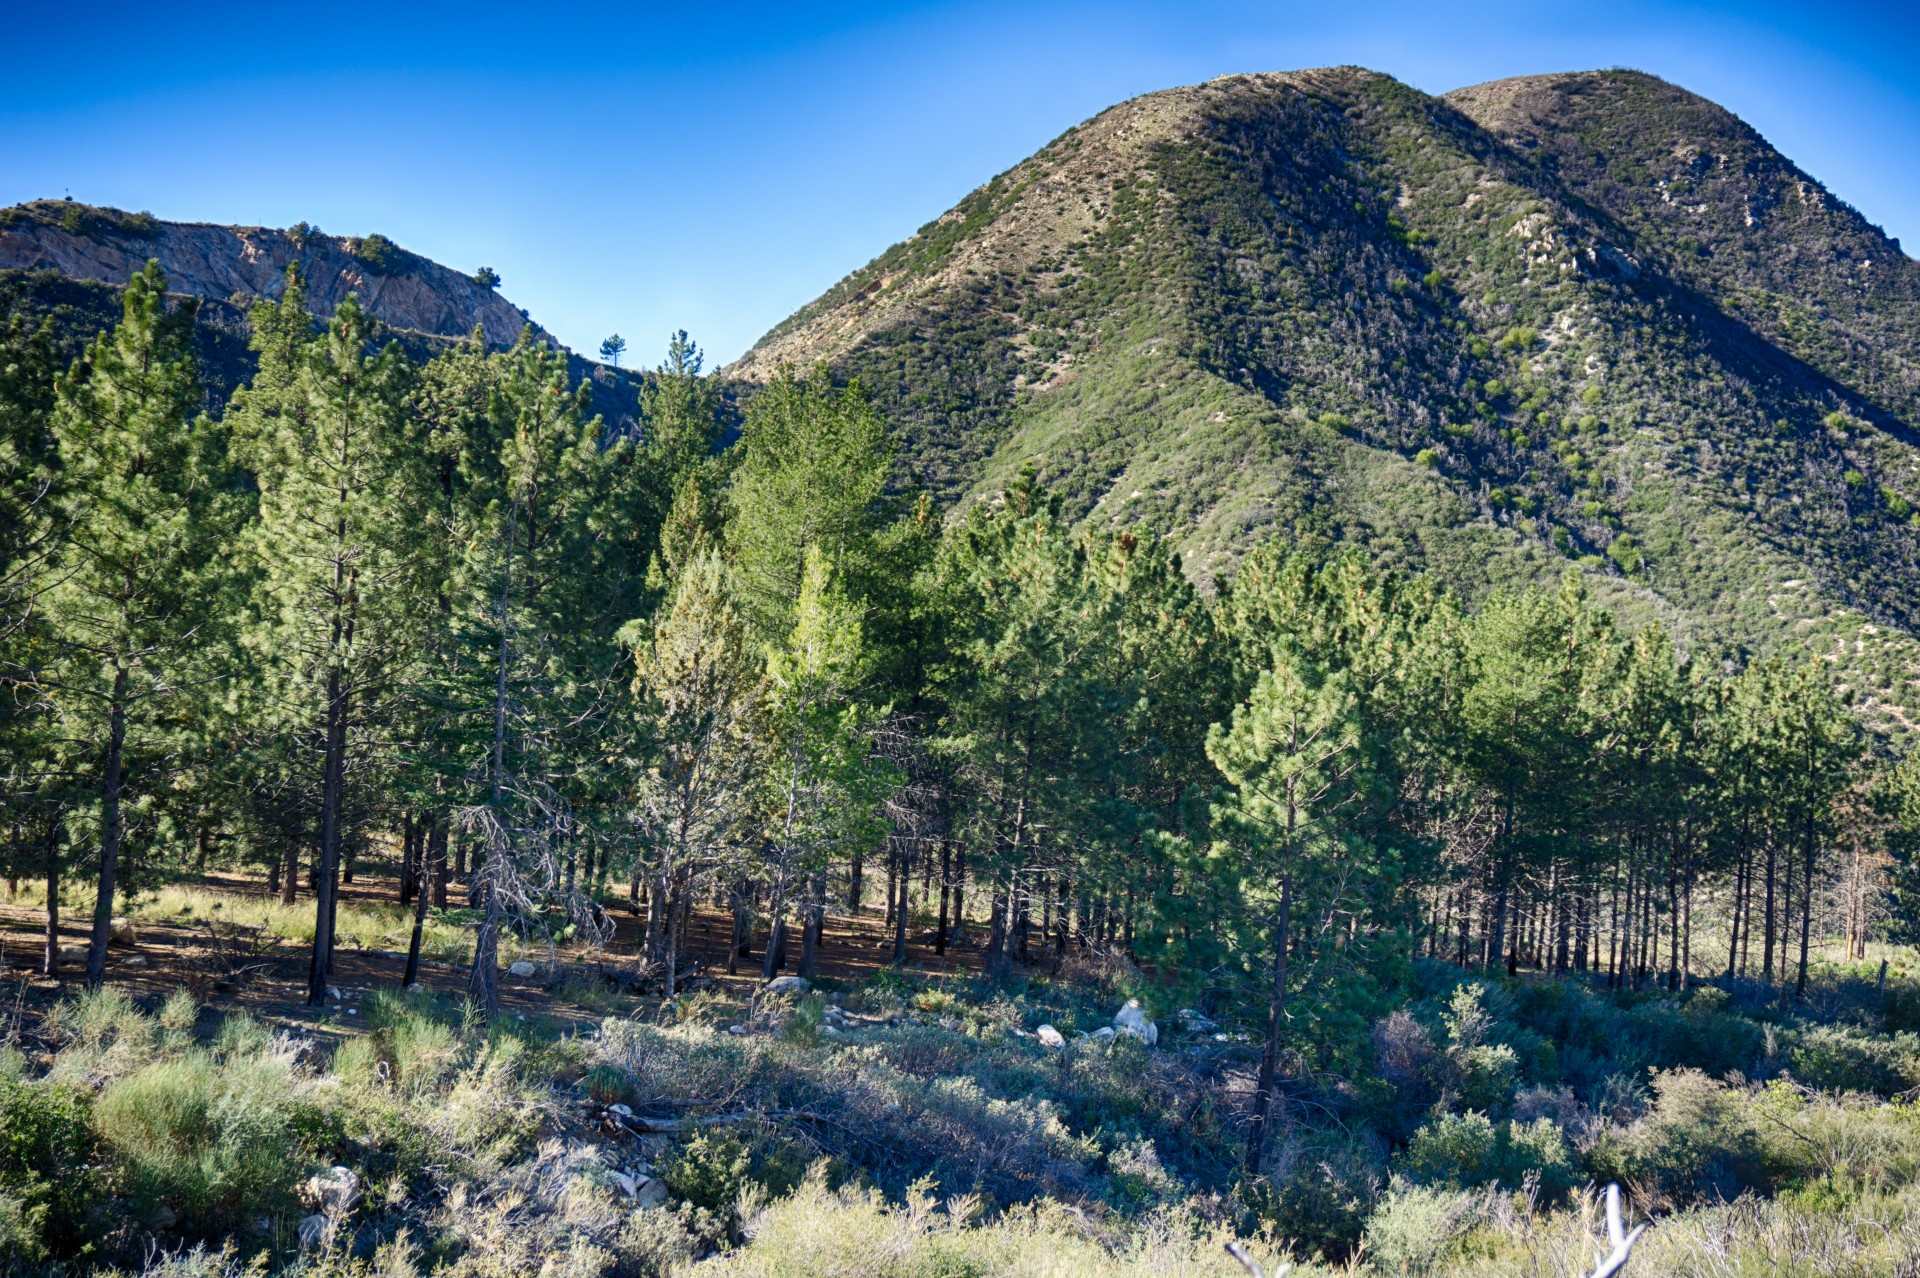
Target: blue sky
[(640, 168)]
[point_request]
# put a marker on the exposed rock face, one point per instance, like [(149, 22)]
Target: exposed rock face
[(404, 291)]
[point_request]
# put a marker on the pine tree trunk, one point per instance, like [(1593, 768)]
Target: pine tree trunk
[(287, 873), (946, 893), (332, 801), (409, 857), (900, 914), (437, 855), (1276, 1023), (417, 835), (737, 937), (110, 830), (816, 911), (50, 957), (1806, 911), (1766, 950)]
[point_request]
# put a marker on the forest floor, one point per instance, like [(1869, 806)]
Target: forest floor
[(232, 965)]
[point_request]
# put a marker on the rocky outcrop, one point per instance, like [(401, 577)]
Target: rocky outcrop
[(224, 263)]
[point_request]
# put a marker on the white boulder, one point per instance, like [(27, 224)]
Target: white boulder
[(522, 969), (1050, 1037), (1132, 1021), (335, 1189), (786, 985)]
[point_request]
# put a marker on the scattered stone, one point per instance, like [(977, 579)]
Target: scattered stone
[(786, 985), (738, 1031), (134, 960), (1195, 1022), (416, 988), (1050, 1037), (313, 1231), (334, 995), (620, 1110), (1103, 1036), (522, 969), (120, 932), (335, 1189), (641, 1169), (628, 1185), (1132, 1021), (653, 1193)]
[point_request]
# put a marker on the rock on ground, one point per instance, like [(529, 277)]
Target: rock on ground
[(1132, 1021)]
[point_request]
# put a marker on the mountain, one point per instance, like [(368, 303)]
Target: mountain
[(71, 259), (1586, 320)]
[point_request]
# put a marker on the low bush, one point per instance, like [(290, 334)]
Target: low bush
[(47, 1182), (213, 1141)]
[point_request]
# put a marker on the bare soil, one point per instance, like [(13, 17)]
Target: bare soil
[(238, 969)]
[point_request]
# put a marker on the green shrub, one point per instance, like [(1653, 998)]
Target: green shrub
[(380, 253), (1322, 1199), (46, 1181), (1697, 1142), (1454, 1150), (1414, 1228), (709, 1169), (1536, 1150), (1838, 1058), (218, 1142)]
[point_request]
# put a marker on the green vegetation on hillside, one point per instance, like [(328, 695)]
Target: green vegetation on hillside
[(1249, 307), (1307, 570), (1422, 915)]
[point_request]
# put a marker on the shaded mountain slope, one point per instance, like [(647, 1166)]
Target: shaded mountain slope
[(1325, 304)]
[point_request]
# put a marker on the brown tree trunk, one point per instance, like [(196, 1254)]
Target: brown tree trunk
[(417, 837), (50, 957), (1276, 1023), (332, 803), (110, 831)]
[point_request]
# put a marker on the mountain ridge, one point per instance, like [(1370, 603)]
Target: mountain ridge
[(72, 258), (1326, 305)]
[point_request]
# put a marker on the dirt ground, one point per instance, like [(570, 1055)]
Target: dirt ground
[(240, 969)]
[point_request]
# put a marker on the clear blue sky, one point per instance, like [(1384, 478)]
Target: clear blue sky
[(642, 168)]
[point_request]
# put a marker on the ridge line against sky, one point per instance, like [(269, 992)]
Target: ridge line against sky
[(648, 168)]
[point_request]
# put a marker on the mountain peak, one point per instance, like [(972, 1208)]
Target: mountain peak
[(1586, 320)]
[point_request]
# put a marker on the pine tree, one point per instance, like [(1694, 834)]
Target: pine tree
[(696, 684), (822, 793), (1300, 770), (342, 475), (144, 515), (814, 474)]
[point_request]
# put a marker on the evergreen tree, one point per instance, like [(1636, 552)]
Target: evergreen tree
[(343, 477), (813, 474), (696, 684), (144, 512), (821, 791)]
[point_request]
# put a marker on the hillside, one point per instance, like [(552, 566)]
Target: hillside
[(1586, 319), (70, 259)]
